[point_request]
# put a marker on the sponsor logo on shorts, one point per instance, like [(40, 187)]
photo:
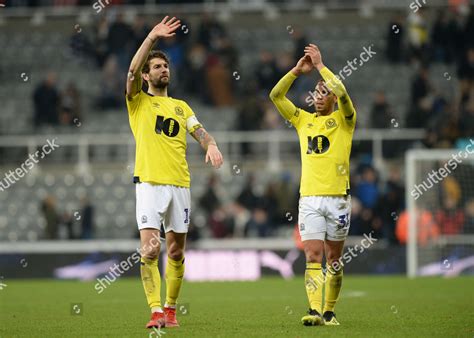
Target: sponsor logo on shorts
[(144, 219)]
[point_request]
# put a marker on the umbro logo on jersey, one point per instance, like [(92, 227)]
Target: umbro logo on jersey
[(144, 219), (179, 111), (310, 125), (331, 123), (156, 105)]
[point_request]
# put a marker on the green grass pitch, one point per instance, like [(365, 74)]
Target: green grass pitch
[(272, 307)]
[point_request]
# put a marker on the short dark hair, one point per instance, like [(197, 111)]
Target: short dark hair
[(154, 54)]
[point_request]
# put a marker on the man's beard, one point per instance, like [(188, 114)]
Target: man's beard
[(159, 84)]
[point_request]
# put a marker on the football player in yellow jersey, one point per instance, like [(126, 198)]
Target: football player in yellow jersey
[(325, 204), (159, 124)]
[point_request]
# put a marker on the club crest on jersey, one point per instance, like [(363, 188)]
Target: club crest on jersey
[(179, 111), (331, 123)]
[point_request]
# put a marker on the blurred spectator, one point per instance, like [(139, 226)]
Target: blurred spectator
[(80, 46), (450, 188), (469, 217), (395, 35), (101, 32), (390, 204), (87, 216), (209, 31), (300, 43), (427, 229), (240, 216), (209, 200), (219, 81), (441, 38), (247, 197), (195, 74), (420, 107), (271, 118), (112, 91), (381, 114), (46, 100), (356, 214), (70, 105), (266, 71), (220, 224), (120, 41), (68, 223), (259, 224), (366, 190), (51, 217), (140, 31), (287, 199), (450, 218), (467, 118), (418, 36), (466, 77)]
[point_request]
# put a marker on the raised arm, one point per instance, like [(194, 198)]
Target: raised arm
[(164, 29), (335, 85), (278, 94), (208, 143)]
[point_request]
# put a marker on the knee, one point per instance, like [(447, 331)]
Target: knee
[(151, 252), (175, 252), (313, 255), (332, 258)]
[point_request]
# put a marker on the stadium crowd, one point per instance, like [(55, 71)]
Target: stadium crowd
[(203, 64)]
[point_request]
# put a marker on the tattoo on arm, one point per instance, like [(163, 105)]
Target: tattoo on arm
[(203, 137)]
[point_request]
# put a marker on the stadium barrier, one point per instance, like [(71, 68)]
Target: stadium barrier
[(207, 259), (228, 141)]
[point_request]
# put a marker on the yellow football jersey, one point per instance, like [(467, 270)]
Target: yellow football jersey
[(325, 141), (159, 125)]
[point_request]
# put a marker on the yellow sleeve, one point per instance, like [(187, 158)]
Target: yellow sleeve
[(344, 102), (278, 96), (133, 103), (192, 122)]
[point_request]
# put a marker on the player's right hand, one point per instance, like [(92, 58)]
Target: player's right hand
[(303, 66), (166, 28)]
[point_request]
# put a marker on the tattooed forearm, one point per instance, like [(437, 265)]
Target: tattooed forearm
[(203, 137)]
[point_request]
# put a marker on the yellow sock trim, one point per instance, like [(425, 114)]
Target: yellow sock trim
[(151, 281), (174, 279), (314, 281), (333, 288)]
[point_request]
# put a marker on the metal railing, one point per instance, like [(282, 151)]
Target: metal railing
[(227, 141)]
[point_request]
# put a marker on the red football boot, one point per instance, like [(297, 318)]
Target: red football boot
[(157, 320), (170, 317)]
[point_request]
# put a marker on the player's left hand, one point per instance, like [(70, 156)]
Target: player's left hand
[(214, 155), (313, 52)]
